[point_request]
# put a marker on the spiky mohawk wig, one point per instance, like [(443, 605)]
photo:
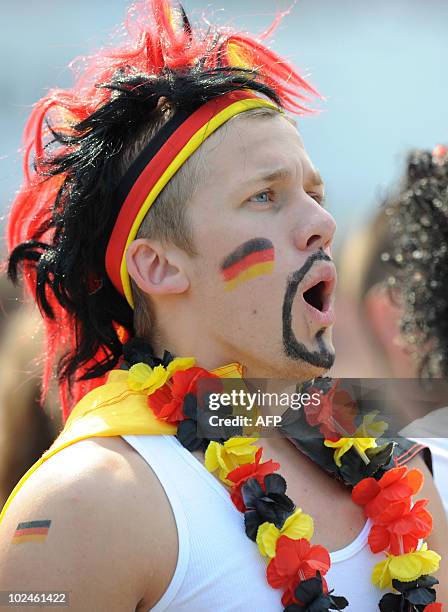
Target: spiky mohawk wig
[(419, 222), (62, 218)]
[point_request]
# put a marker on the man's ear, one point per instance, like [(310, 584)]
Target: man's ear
[(155, 269)]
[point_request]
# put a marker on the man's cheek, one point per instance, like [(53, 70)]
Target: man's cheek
[(253, 258)]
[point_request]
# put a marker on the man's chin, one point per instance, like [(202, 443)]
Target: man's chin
[(313, 371), (301, 370), (313, 358)]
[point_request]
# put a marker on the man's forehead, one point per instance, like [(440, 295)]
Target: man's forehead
[(269, 150), (263, 129), (278, 154), (294, 123)]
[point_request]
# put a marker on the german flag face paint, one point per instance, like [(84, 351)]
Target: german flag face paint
[(251, 259), (31, 531)]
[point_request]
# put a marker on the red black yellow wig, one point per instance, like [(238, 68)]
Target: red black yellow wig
[(65, 217)]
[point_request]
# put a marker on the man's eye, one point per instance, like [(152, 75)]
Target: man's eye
[(320, 199), (261, 198)]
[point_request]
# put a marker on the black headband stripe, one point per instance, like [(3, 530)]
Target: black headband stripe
[(149, 152)]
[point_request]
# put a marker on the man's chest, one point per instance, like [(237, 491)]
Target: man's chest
[(337, 520)]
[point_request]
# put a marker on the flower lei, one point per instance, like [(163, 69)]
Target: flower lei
[(283, 532)]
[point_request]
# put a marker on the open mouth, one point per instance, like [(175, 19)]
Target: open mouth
[(315, 296), (318, 295)]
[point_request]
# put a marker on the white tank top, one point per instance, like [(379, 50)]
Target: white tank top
[(218, 566)]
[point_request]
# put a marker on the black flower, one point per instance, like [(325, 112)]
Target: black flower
[(312, 597), (265, 504), (187, 430), (353, 468), (195, 433), (138, 350), (415, 595)]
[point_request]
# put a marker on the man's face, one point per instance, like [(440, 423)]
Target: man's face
[(262, 283)]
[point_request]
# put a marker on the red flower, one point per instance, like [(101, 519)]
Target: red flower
[(335, 414), (167, 402), (433, 607), (399, 528), (296, 559), (249, 470), (396, 485)]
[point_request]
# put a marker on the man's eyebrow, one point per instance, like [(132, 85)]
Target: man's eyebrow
[(270, 177), (314, 177)]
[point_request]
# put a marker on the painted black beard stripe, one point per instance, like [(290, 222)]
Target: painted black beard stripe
[(292, 347), (251, 246)]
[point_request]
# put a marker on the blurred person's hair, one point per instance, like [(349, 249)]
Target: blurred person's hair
[(84, 139), (418, 215)]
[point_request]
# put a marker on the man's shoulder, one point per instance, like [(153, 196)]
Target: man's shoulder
[(92, 468), (88, 503), (103, 473)]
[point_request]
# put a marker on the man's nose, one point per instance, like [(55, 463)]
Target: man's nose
[(315, 228)]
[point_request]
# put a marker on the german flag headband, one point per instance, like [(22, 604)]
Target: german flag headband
[(179, 138)]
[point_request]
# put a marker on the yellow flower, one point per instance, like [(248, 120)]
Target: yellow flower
[(228, 456), (371, 428), (363, 438), (345, 444), (180, 363), (142, 377), (406, 568), (298, 525)]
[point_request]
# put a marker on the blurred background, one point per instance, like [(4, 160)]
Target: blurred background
[(381, 67)]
